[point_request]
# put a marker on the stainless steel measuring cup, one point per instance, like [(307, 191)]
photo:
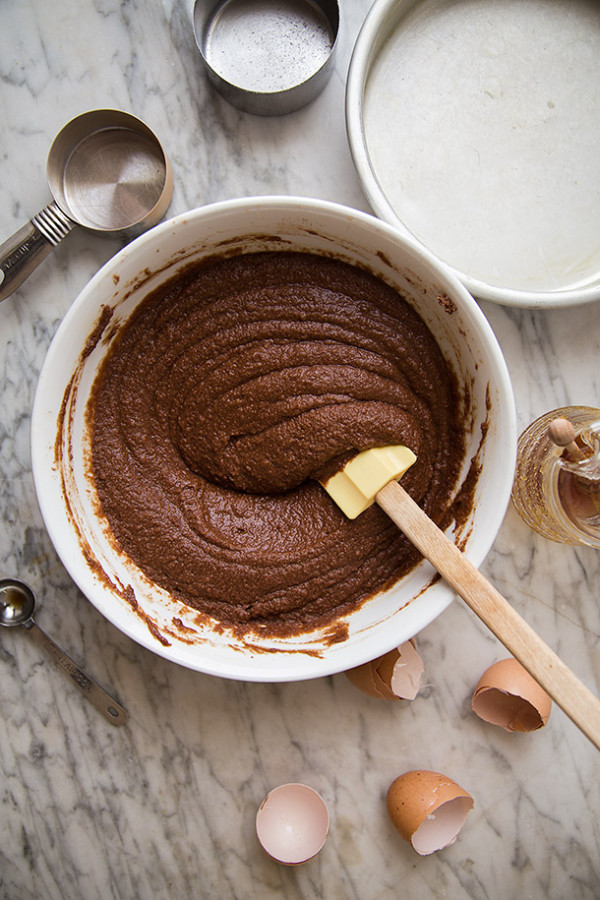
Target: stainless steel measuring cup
[(106, 171), (267, 57)]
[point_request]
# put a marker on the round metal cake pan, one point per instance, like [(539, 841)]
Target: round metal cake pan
[(474, 126), (267, 57)]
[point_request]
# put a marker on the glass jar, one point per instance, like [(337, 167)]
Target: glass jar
[(557, 495)]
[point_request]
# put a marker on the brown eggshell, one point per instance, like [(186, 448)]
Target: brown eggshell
[(401, 671), (385, 691), (428, 809), (363, 679), (509, 697), (394, 676)]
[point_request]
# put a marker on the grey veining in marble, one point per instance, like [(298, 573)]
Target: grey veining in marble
[(165, 807)]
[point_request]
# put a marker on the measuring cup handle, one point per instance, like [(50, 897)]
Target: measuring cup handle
[(103, 702), (24, 251)]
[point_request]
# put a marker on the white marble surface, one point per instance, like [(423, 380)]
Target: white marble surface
[(165, 806)]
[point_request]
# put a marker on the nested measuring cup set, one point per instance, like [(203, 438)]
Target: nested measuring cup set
[(109, 173)]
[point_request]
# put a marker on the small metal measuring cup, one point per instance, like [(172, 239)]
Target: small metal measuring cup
[(106, 171), (267, 57)]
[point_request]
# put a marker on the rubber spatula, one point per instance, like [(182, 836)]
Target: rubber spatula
[(371, 477)]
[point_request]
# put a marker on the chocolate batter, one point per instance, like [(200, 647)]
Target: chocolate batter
[(223, 396)]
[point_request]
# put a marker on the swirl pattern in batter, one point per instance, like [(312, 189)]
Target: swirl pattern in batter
[(225, 393)]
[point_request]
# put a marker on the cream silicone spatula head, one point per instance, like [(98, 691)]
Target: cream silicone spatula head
[(370, 477), (354, 488)]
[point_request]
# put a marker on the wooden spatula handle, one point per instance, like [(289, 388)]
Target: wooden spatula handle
[(494, 610)]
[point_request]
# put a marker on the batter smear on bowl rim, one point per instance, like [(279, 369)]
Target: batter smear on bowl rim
[(223, 396)]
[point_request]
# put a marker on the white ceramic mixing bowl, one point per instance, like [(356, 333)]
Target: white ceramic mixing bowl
[(60, 451)]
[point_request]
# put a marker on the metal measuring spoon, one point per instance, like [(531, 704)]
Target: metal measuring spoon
[(106, 171), (17, 603)]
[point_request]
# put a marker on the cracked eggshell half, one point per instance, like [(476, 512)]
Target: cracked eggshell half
[(428, 809), (394, 676), (292, 823), (508, 696)]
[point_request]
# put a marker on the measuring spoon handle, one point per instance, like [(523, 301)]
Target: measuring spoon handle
[(103, 702), (25, 250)]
